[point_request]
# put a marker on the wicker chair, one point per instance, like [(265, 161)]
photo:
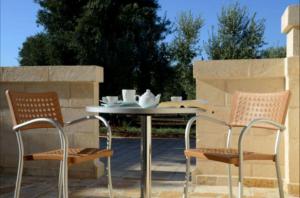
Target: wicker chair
[(259, 110), (42, 110)]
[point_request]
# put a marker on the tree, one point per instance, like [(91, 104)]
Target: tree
[(36, 50), (239, 35), (274, 52), (128, 40), (125, 37), (184, 48)]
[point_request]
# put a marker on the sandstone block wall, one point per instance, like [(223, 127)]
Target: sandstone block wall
[(217, 80), (291, 27), (77, 87)]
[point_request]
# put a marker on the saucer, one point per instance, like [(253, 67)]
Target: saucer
[(121, 104), (129, 104), (111, 105)]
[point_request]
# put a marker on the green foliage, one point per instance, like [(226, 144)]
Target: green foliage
[(184, 48), (125, 37), (239, 35), (274, 52), (36, 51)]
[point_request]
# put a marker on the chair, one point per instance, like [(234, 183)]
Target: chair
[(42, 110), (249, 110)]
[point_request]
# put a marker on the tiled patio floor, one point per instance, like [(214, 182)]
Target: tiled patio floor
[(168, 176), (42, 187)]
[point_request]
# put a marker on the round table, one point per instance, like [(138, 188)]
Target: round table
[(146, 136)]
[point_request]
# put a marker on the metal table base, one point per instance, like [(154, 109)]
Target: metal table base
[(146, 139), (146, 152)]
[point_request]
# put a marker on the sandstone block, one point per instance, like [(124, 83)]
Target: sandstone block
[(292, 48), (256, 85), (292, 65), (294, 163), (11, 86), (290, 18), (221, 69), (293, 189), (86, 140), (89, 126), (211, 140), (25, 74), (205, 126), (265, 170), (61, 88), (293, 123), (293, 86), (208, 167), (214, 95), (266, 68), (76, 73), (82, 94)]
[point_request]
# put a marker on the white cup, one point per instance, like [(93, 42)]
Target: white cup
[(176, 98), (110, 99), (129, 95)]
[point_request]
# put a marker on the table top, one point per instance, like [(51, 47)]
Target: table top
[(142, 111)]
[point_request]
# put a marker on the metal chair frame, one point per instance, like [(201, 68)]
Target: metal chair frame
[(280, 128), (63, 172)]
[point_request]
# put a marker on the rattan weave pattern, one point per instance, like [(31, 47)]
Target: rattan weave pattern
[(249, 106), (226, 155), (75, 155), (27, 106)]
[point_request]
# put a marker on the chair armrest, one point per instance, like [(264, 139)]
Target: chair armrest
[(266, 121), (62, 135), (94, 117), (244, 131), (192, 120)]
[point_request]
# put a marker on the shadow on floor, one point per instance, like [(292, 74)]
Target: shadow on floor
[(168, 161)]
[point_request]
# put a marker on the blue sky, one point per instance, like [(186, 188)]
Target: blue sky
[(18, 20)]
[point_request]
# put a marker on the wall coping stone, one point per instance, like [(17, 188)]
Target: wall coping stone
[(89, 73), (290, 18), (239, 69)]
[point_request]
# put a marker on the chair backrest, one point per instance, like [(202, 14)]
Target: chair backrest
[(27, 106), (249, 106)]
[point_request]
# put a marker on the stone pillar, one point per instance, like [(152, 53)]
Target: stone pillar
[(290, 25)]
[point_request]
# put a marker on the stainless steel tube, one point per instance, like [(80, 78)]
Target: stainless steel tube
[(228, 141), (146, 157), (20, 165)]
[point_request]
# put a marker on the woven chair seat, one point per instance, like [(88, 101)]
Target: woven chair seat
[(75, 155), (229, 156)]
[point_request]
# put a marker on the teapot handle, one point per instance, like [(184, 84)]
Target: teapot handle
[(138, 97)]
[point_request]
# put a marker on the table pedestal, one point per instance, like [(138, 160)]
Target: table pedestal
[(146, 147), (146, 151)]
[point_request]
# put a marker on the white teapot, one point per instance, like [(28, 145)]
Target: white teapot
[(148, 99)]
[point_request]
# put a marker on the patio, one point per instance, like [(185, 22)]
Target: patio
[(79, 87), (168, 176)]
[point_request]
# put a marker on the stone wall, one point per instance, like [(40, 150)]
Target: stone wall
[(291, 27), (77, 87), (217, 80)]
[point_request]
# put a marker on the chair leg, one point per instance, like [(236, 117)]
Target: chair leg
[(60, 177), (20, 165), (19, 177), (279, 180), (65, 179), (110, 188), (240, 184), (187, 177), (229, 181)]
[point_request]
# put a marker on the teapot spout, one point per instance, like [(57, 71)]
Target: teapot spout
[(157, 98)]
